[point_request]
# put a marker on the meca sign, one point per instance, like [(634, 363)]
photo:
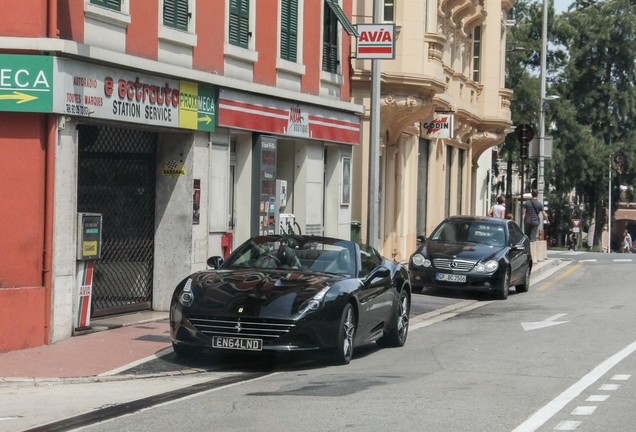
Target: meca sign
[(376, 41)]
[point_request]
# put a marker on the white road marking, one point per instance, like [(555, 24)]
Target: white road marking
[(588, 260), (548, 322), (568, 425), (548, 411), (620, 377), (597, 398), (609, 387), (622, 260), (583, 410)]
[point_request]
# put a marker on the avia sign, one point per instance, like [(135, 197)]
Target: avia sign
[(441, 126), (376, 41)]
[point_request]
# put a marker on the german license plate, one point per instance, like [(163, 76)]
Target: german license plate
[(446, 277), (234, 343)]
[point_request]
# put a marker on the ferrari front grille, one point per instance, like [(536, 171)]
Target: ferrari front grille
[(255, 328), (449, 264)]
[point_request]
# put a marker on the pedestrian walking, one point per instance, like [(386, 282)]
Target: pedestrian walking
[(498, 210), (531, 216), (627, 242)]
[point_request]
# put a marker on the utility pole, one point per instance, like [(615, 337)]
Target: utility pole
[(373, 228)]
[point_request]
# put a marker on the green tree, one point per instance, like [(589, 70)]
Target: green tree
[(597, 83)]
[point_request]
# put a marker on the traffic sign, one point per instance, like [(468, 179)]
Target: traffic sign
[(576, 223), (524, 133), (26, 83)]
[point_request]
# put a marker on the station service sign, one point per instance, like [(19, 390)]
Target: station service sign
[(49, 84)]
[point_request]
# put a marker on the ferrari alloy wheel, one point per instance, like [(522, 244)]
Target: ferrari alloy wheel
[(397, 336), (346, 333), (504, 286), (526, 282)]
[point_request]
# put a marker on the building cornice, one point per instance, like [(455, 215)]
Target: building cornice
[(72, 49)]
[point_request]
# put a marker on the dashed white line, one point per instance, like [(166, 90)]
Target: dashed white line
[(620, 377), (583, 410), (609, 387), (597, 398), (568, 425), (544, 414)]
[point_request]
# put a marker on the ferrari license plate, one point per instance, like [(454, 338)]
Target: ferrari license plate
[(234, 343), (446, 277)]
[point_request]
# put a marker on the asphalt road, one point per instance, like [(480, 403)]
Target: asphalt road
[(560, 357)]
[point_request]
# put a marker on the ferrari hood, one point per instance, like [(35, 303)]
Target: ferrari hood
[(277, 294)]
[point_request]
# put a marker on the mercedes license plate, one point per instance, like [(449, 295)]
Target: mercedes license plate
[(446, 277), (234, 343)]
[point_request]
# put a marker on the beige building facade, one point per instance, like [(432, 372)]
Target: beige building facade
[(450, 57)]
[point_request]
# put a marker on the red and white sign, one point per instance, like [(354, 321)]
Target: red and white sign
[(376, 41), (576, 223), (256, 113), (441, 126)]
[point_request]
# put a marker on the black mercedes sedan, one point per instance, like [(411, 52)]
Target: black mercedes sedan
[(474, 253), (283, 293)]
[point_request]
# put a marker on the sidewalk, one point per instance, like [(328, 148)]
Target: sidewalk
[(124, 342)]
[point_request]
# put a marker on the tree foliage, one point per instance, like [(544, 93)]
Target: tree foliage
[(591, 66)]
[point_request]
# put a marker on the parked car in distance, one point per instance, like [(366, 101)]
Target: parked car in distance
[(473, 253), (283, 293)]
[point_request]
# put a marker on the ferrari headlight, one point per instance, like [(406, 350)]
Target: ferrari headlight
[(315, 301), (186, 298), (420, 261), (487, 267)]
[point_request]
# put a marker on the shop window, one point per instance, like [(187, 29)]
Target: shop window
[(239, 25), (289, 30)]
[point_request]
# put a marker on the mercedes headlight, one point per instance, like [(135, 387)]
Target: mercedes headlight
[(487, 267), (420, 261)]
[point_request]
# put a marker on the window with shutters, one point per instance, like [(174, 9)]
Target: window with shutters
[(329, 41), (176, 14), (109, 4), (289, 30), (239, 25)]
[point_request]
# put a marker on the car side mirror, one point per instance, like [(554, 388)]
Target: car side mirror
[(420, 239), (215, 262), (518, 247), (377, 273)]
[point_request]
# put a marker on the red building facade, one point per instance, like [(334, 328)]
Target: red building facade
[(74, 58)]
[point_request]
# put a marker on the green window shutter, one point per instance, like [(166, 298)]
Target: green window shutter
[(239, 24), (289, 30), (176, 14), (109, 4), (330, 42)]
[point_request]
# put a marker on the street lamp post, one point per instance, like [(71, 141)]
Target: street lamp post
[(543, 100)]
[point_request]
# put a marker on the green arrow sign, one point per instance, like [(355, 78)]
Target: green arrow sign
[(26, 83)]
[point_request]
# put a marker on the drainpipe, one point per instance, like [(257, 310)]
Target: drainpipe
[(52, 30), (49, 183)]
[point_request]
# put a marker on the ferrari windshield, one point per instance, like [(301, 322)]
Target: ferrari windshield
[(470, 231), (313, 254)]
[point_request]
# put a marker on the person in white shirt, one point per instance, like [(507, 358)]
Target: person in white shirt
[(498, 210)]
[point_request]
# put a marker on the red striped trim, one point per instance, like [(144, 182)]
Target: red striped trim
[(266, 119), (375, 50)]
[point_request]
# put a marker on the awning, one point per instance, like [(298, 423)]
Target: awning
[(344, 21)]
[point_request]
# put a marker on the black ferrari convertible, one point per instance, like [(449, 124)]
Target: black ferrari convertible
[(293, 293)]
